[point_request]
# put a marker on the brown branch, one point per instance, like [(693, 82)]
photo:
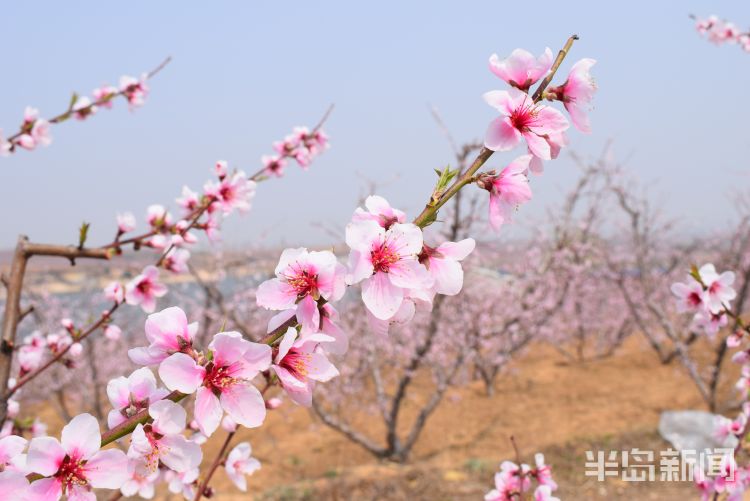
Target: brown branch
[(217, 462)]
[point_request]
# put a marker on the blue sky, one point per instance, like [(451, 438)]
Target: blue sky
[(245, 72)]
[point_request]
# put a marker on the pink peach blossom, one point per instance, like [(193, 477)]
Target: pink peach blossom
[(125, 222), (577, 93), (689, 295), (103, 95), (14, 486), (508, 190), (299, 365), (521, 69), (144, 289), (75, 465), (141, 481), (232, 192), (161, 440), (273, 164), (157, 216), (386, 262), (189, 201), (224, 383), (520, 119), (302, 278), (168, 332), (135, 90), (240, 463), (719, 291), (176, 260), (130, 395), (380, 211), (83, 108), (443, 263)]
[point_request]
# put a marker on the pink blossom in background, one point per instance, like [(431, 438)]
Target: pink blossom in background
[(144, 289), (221, 169), (11, 453), (125, 222), (168, 332), (508, 190), (130, 395), (112, 332), (386, 262), (544, 493), (83, 108), (103, 95), (443, 263), (240, 463), (299, 365), (176, 260), (379, 210), (161, 440), (157, 216), (189, 201), (135, 90), (303, 277), (232, 192), (141, 481), (689, 295), (273, 164), (719, 291), (521, 69), (521, 119), (75, 465), (577, 93), (224, 383), (115, 292)]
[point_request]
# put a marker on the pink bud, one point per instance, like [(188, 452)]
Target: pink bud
[(221, 168), (273, 403), (76, 349)]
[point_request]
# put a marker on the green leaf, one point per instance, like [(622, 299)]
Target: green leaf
[(83, 234), (73, 101)]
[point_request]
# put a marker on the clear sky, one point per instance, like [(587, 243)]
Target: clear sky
[(245, 72)]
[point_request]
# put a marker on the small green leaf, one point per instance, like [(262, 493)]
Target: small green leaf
[(83, 234), (73, 101)]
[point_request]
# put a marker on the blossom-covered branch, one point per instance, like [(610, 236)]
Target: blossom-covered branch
[(34, 130)]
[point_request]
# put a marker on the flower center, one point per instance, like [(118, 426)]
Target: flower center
[(303, 280), (524, 116), (694, 299), (296, 363), (383, 257), (144, 286), (71, 472), (218, 378)]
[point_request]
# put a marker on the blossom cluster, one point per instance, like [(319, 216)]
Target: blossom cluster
[(523, 119), (35, 130), (720, 31), (164, 448), (708, 295), (513, 480), (302, 145)]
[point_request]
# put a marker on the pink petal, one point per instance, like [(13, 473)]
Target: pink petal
[(180, 372), (308, 315), (46, 489), (449, 276), (457, 250), (45, 456), (274, 294), (228, 347), (15, 487), (163, 328), (208, 411), (286, 343), (107, 469), (538, 145), (320, 368), (169, 417), (502, 135), (244, 404), (409, 274), (10, 447), (81, 437), (181, 454), (381, 297)]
